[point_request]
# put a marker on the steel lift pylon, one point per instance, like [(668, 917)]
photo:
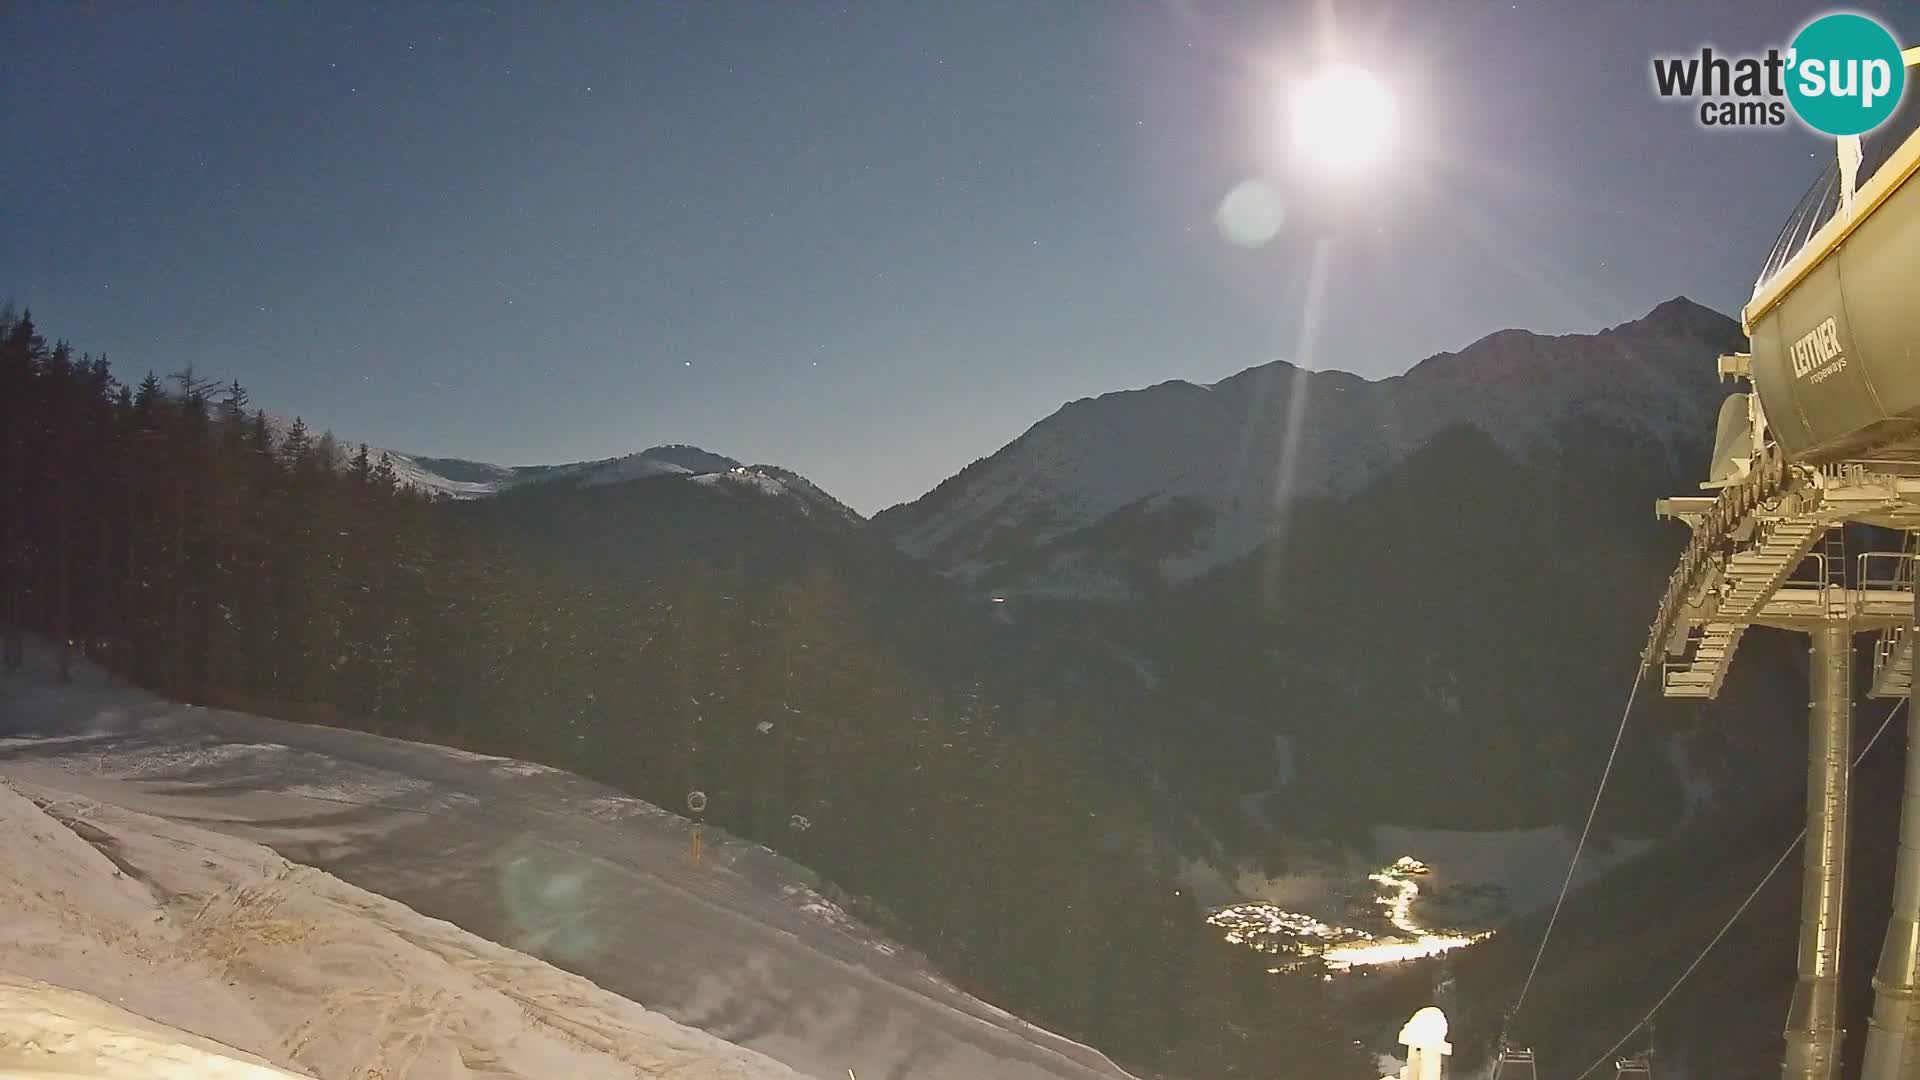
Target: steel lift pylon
[(1830, 613), (1829, 435)]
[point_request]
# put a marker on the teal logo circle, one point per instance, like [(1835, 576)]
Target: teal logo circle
[(1845, 75)]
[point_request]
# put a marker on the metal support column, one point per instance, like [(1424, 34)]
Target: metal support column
[(1893, 1035), (1813, 1023)]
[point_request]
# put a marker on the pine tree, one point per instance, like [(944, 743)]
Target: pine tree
[(114, 405), (260, 524), (190, 575), (260, 436), (385, 477), (232, 536), (140, 633), (191, 388), (233, 416), (20, 356), (62, 418), (296, 452)]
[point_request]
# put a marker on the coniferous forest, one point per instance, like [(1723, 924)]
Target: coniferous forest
[(177, 535)]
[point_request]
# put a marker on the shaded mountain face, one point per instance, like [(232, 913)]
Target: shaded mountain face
[(757, 525), (1451, 646), (647, 518), (1418, 600), (1133, 490)]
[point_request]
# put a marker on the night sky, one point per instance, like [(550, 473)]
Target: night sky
[(869, 244)]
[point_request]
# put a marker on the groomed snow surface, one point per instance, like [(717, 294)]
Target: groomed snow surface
[(166, 869), (50, 1032), (221, 937)]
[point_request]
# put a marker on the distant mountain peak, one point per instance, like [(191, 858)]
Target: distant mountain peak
[(689, 457), (1172, 479), (1680, 306), (1685, 315), (462, 478)]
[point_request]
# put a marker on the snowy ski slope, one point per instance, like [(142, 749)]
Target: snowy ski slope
[(742, 947)]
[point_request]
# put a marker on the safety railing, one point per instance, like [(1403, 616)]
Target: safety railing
[(1886, 648), (1834, 205), (1831, 599), (1890, 571)]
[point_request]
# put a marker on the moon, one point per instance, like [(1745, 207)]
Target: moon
[(1342, 119)]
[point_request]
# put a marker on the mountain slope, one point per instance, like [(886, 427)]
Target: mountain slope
[(1468, 614), (222, 937), (1440, 634), (742, 946), (461, 479), (1154, 485), (464, 479)]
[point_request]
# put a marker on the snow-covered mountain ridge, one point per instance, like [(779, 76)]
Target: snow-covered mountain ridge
[(1180, 477), (460, 478)]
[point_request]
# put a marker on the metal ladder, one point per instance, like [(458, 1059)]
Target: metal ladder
[(1893, 649)]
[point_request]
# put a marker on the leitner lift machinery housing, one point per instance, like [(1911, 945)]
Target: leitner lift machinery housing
[(1829, 434)]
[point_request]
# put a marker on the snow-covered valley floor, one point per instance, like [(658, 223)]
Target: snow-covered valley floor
[(230, 875)]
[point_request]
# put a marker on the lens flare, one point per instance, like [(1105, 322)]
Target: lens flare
[(1250, 215)]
